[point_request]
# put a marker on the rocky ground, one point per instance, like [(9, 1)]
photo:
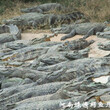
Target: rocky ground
[(39, 71)]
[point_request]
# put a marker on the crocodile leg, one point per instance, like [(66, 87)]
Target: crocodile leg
[(90, 32), (71, 34)]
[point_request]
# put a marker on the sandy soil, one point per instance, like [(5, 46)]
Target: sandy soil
[(94, 52)]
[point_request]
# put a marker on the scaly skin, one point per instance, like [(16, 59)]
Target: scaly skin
[(31, 92), (86, 29), (26, 53), (68, 70)]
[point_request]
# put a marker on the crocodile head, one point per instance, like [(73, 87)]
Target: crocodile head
[(91, 41), (104, 46)]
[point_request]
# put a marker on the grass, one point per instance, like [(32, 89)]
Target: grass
[(96, 10), (14, 10)]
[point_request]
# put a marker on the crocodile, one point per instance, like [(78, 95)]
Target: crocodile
[(56, 53), (26, 53), (9, 33), (86, 29), (75, 69), (40, 105), (13, 90), (14, 45), (29, 52), (70, 64), (75, 45), (43, 8), (77, 54), (31, 92), (67, 78), (6, 83), (45, 38), (83, 90), (14, 48), (104, 46), (58, 57), (38, 20), (75, 90), (8, 47), (52, 58), (80, 71), (35, 99), (47, 105), (105, 35), (20, 72), (107, 28)]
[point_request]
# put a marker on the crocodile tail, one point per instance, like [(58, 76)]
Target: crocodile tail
[(79, 15), (74, 16)]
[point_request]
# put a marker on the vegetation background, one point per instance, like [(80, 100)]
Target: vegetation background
[(96, 10)]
